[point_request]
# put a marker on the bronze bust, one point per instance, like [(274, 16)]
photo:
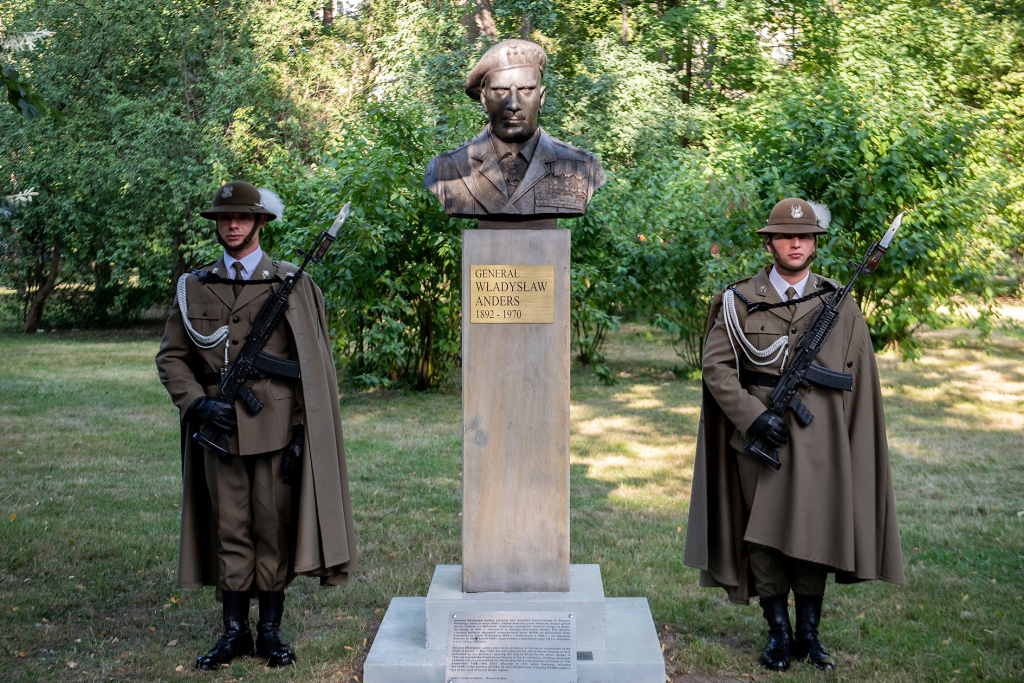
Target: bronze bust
[(513, 170)]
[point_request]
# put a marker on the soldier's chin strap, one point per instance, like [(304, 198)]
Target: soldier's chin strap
[(256, 225)]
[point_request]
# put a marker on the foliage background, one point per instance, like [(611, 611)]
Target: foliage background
[(703, 113)]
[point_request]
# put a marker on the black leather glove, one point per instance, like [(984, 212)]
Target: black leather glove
[(291, 463), (771, 428), (213, 412)]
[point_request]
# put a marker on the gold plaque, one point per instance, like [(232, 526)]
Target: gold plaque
[(512, 294)]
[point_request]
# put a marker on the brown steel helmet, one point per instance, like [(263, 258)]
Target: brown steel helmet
[(797, 217), (238, 197)]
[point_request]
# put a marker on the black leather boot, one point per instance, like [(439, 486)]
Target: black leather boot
[(269, 642), (236, 641), (808, 618), (776, 655)]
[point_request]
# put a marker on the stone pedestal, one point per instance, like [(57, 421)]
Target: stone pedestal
[(616, 639), (515, 489), (585, 600), (515, 417)]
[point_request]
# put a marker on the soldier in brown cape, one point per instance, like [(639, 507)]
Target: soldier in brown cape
[(278, 505), (753, 530)]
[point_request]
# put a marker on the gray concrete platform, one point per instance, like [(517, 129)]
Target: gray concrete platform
[(585, 599), (632, 653)]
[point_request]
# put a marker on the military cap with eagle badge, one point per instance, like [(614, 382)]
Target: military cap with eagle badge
[(239, 196), (797, 217)]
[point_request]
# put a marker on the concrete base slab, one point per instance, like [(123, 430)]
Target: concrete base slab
[(632, 653), (585, 599)]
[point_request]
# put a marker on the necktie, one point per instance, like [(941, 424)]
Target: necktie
[(238, 276), (790, 295)]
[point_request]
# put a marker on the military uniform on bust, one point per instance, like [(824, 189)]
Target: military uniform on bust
[(830, 508), (253, 519), (513, 171)]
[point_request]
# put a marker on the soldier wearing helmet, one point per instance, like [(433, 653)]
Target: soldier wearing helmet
[(253, 519), (829, 509)]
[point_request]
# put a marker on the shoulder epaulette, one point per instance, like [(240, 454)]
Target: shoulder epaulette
[(740, 281), (834, 284), (578, 152)]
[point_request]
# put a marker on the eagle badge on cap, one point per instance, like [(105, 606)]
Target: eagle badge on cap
[(513, 55), (226, 192), (796, 211)]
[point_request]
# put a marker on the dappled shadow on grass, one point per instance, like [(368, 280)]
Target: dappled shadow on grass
[(94, 494), (955, 427)]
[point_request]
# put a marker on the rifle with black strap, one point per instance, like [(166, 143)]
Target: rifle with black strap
[(251, 362), (801, 370)]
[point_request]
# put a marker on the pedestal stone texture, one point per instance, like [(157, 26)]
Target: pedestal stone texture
[(515, 410), (586, 600), (622, 647)]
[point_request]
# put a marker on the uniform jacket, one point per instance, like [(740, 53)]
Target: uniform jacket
[(325, 534), (832, 501), (558, 183)]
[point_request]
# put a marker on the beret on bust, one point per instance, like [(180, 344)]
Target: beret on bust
[(507, 54)]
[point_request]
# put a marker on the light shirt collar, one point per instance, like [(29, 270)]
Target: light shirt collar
[(781, 285), (249, 263)]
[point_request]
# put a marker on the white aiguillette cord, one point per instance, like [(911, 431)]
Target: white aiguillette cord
[(202, 341), (780, 347)]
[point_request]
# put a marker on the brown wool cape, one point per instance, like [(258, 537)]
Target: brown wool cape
[(325, 530), (832, 501)]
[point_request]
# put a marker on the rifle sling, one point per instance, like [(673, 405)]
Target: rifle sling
[(764, 305), (211, 278), (823, 377)]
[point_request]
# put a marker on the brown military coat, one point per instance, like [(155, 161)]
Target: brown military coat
[(325, 533), (180, 362), (832, 501)]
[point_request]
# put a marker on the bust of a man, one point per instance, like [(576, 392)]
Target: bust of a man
[(513, 170)]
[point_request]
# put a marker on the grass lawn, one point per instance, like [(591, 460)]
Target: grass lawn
[(90, 493)]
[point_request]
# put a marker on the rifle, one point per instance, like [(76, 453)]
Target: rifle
[(251, 360), (801, 370)]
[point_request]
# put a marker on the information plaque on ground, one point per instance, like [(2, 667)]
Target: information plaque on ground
[(512, 294), (514, 647)]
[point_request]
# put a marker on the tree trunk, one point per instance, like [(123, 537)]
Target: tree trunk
[(35, 309), (625, 26), (525, 26), (662, 53), (485, 18), (689, 70), (329, 13)]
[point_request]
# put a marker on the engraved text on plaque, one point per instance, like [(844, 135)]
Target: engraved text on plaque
[(518, 647), (512, 294)]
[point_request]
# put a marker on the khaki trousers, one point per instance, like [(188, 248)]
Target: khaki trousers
[(252, 507), (774, 572)]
